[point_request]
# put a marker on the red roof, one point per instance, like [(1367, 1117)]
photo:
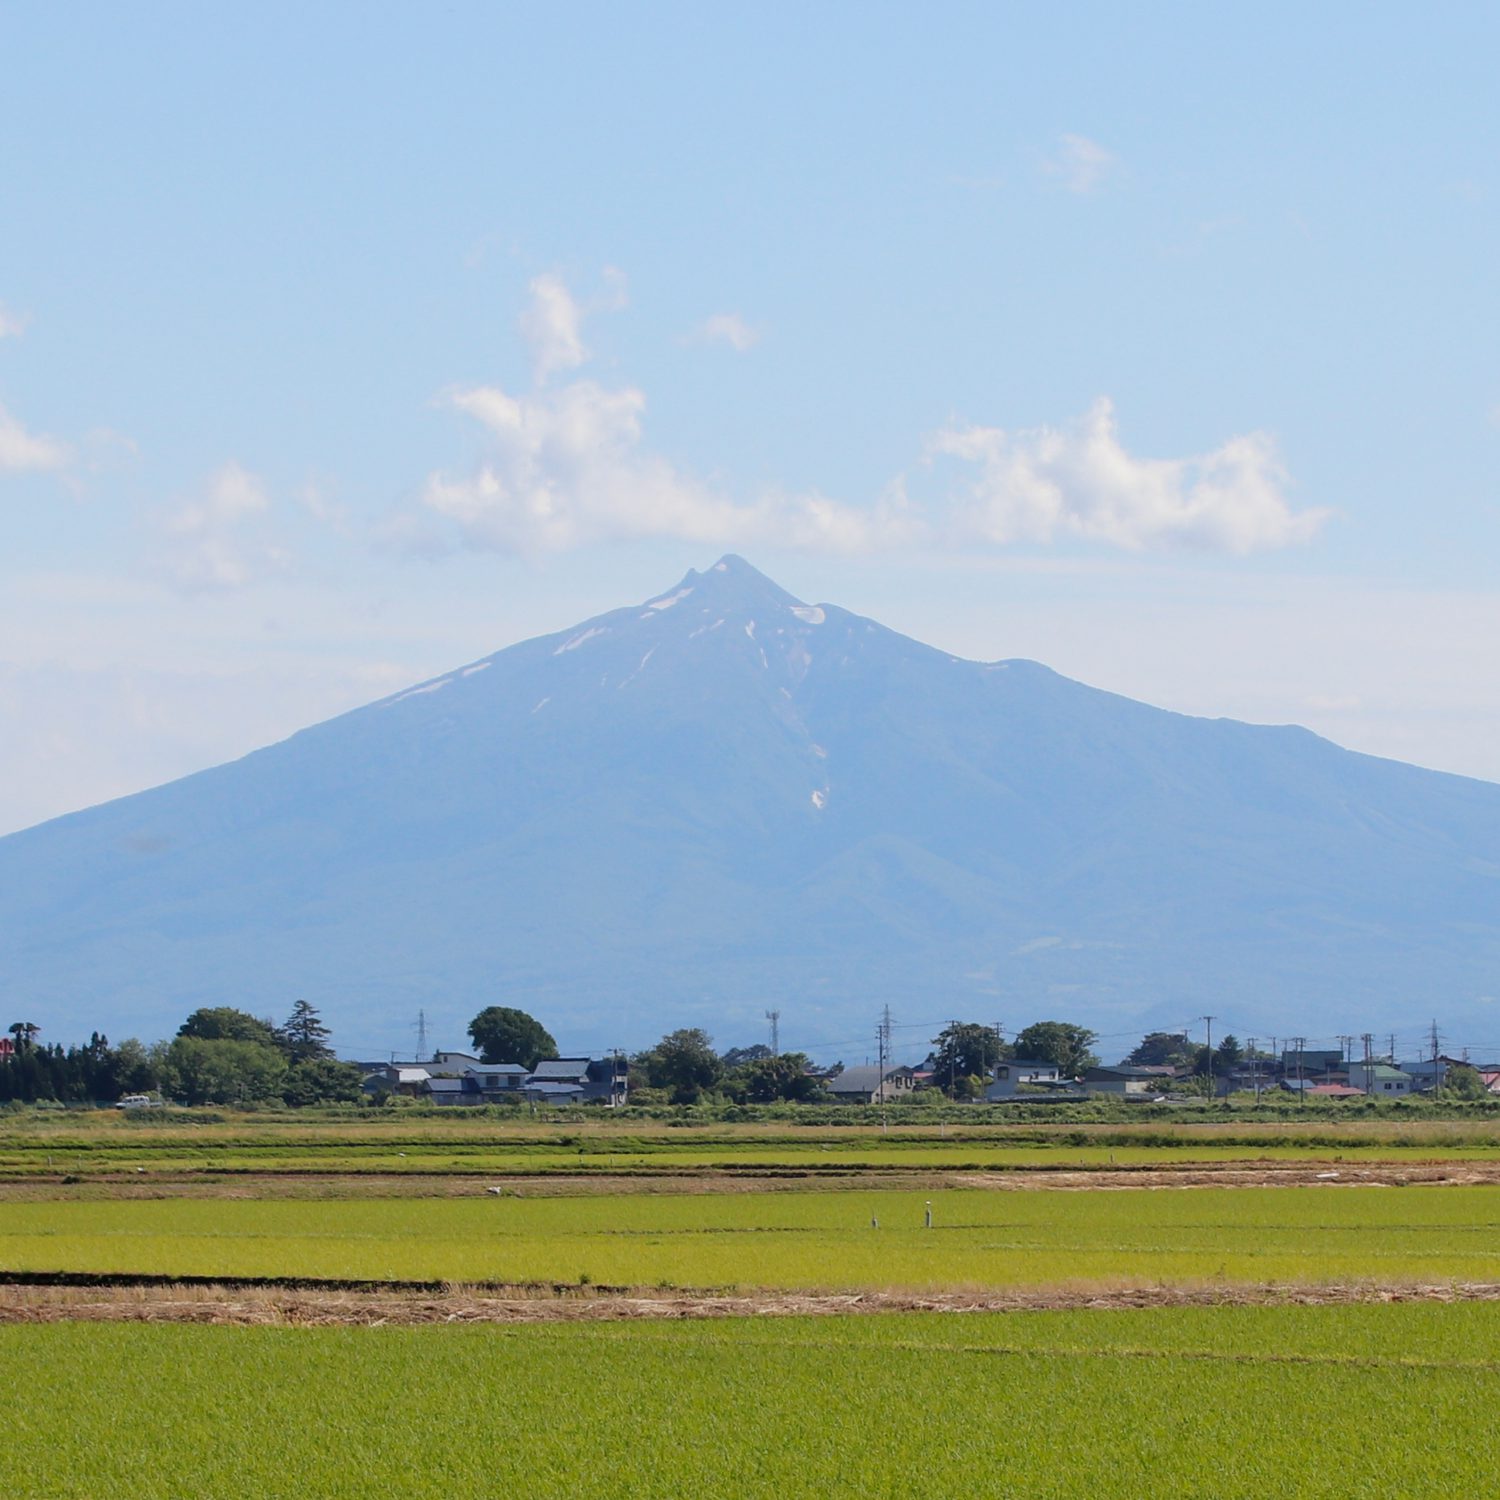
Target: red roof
[(1336, 1091)]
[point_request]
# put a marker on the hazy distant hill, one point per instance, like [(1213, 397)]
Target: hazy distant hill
[(689, 810)]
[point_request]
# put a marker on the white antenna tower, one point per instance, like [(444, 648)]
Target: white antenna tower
[(774, 1017)]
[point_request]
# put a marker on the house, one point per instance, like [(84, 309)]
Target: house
[(448, 1091), (1306, 1063), (1379, 1078), (1122, 1080), (554, 1092), (868, 1085), (1333, 1091), (395, 1078), (1011, 1074), (597, 1080), (496, 1081)]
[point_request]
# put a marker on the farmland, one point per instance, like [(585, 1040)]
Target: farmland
[(1249, 1400), (794, 1240)]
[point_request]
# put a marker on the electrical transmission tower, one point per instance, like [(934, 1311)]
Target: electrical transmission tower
[(421, 1036)]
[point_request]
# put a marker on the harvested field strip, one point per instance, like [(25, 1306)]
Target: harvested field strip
[(1069, 1403), (311, 1304), (795, 1240)]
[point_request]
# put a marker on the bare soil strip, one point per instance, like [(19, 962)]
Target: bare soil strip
[(278, 1306), (1330, 1172)]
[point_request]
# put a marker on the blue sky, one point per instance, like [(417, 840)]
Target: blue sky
[(342, 344)]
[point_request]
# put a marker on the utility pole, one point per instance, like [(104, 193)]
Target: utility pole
[(1347, 1044), (1301, 1042), (883, 1039), (1436, 1041), (774, 1017), (1209, 1022), (1254, 1071), (1368, 1038), (952, 1061), (1392, 1040)]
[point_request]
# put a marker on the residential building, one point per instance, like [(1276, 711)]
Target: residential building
[(1379, 1078), (868, 1085), (1123, 1080), (1011, 1074)]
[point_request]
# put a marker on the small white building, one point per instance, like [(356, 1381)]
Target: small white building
[(1010, 1075)]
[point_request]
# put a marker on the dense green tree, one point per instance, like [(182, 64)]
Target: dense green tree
[(1228, 1054), (1464, 1082), (323, 1080), (303, 1036), (222, 1070), (1162, 1049), (1058, 1042), (684, 1063), (737, 1057), (966, 1049), (505, 1035), (223, 1023), (768, 1080)]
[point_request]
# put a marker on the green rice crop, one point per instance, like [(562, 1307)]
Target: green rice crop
[(1232, 1402), (799, 1240)]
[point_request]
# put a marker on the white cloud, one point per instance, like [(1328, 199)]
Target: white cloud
[(214, 540), (553, 327), (727, 328), (567, 465), (1039, 484), (20, 449), (1081, 165), (12, 325)]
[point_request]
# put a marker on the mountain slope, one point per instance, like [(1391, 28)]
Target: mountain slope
[(684, 811)]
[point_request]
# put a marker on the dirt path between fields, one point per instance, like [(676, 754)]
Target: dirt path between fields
[(264, 1306), (1327, 1172)]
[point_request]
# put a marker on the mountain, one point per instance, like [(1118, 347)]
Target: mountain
[(723, 800)]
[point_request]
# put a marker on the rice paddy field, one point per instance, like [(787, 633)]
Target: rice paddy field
[(808, 1240), (1233, 1401), (1348, 1336)]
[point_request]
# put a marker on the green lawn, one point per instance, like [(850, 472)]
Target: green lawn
[(1223, 1401), (802, 1239)]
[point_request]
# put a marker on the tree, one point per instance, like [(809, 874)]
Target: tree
[(303, 1036), (1058, 1042), (1464, 1082), (221, 1070), (223, 1023), (966, 1049), (504, 1035), (1162, 1049), (1228, 1054), (737, 1057), (323, 1080), (767, 1080), (685, 1063)]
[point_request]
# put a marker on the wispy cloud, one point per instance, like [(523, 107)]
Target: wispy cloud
[(552, 326), (21, 450), (567, 464), (12, 325), (1079, 164), (215, 541), (727, 328)]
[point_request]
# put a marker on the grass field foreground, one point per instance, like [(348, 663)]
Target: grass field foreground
[(1237, 1401)]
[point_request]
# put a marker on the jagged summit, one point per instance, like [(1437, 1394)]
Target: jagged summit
[(683, 809)]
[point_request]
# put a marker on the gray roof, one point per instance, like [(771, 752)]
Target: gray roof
[(862, 1080), (559, 1069), (445, 1085), (510, 1070), (553, 1089)]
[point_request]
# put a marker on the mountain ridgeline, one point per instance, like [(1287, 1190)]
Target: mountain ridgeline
[(685, 811)]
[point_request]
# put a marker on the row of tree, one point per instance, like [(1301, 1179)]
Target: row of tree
[(683, 1066), (220, 1055)]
